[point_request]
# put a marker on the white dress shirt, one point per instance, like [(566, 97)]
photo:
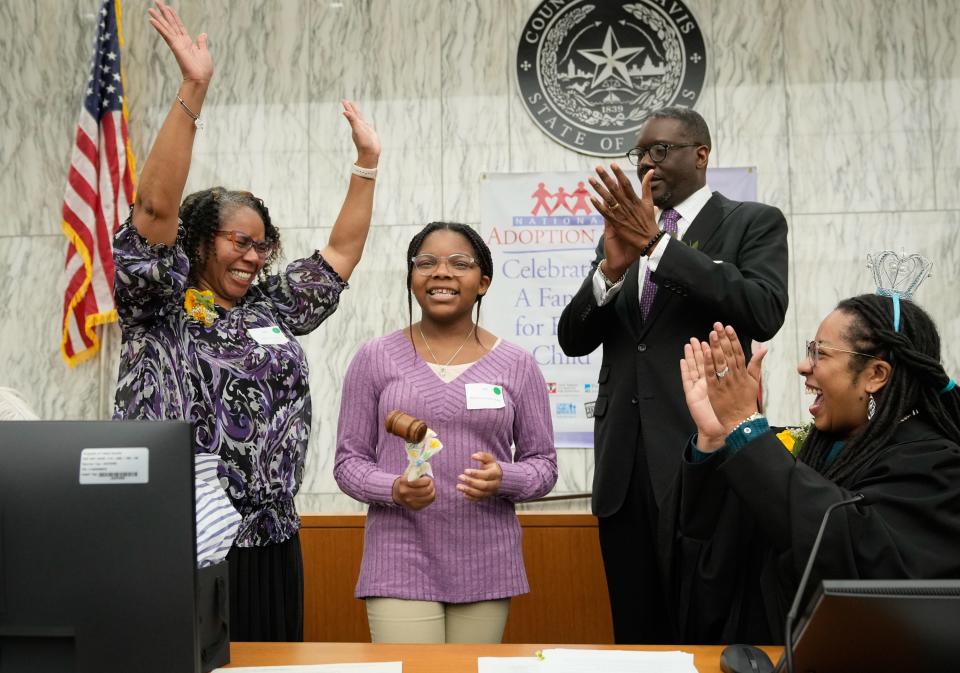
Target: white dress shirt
[(688, 209)]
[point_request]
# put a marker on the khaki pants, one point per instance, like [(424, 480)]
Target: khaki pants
[(400, 621)]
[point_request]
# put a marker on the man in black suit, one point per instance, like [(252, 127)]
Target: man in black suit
[(659, 279)]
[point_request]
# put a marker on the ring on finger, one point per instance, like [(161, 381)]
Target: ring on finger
[(614, 206), (722, 372)]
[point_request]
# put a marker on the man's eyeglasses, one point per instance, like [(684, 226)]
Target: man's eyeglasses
[(458, 264), (814, 348), (657, 152), (242, 243)]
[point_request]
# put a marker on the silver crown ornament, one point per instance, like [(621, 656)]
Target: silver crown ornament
[(899, 274)]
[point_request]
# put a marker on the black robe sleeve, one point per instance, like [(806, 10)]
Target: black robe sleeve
[(743, 526)]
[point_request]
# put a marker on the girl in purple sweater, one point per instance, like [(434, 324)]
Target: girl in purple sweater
[(442, 556)]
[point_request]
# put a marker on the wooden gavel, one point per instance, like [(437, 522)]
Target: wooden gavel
[(406, 426)]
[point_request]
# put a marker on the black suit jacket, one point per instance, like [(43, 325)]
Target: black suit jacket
[(640, 397)]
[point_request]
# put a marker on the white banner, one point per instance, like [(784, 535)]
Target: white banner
[(543, 232)]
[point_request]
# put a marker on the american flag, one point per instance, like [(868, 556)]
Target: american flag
[(98, 196)]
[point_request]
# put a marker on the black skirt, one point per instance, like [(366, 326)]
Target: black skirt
[(266, 592)]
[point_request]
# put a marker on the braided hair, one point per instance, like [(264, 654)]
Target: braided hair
[(480, 251), (916, 382), (204, 212)]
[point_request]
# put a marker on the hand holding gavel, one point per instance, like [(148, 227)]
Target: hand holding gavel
[(418, 493)]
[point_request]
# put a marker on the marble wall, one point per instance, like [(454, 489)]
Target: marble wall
[(846, 107)]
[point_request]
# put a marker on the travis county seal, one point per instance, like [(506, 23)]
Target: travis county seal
[(591, 72)]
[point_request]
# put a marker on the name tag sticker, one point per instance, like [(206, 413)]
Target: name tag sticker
[(267, 336), (484, 396), (115, 466)]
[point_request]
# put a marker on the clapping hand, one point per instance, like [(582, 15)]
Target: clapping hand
[(365, 137), (710, 431), (732, 386), (631, 217), (480, 483), (194, 60), (705, 391)]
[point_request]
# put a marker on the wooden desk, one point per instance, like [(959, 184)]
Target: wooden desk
[(432, 658), (556, 548)]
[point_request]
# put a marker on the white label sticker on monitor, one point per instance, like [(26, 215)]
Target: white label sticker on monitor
[(115, 466)]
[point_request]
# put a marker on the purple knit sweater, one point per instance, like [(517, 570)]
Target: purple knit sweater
[(453, 551)]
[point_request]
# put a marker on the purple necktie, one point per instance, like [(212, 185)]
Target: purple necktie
[(668, 221)]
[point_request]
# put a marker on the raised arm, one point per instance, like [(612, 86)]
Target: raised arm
[(345, 246), (157, 205)]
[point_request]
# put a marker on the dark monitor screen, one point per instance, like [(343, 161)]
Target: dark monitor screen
[(880, 626), (97, 547)]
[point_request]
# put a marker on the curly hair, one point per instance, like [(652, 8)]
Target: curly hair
[(917, 384), (204, 212), (480, 251)]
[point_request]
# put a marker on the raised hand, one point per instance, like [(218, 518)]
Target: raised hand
[(480, 483), (631, 216), (710, 431), (365, 137), (733, 389), (618, 255), (195, 62), (415, 494)]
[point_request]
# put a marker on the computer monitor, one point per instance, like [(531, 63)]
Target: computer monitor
[(880, 626), (97, 547)]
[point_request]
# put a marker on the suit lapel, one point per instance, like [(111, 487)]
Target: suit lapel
[(706, 222)]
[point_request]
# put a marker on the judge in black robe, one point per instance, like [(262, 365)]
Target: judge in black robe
[(739, 523)]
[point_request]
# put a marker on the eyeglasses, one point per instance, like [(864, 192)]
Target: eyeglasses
[(458, 264), (814, 348), (657, 152), (242, 243)]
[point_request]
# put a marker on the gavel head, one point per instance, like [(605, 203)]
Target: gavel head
[(406, 426)]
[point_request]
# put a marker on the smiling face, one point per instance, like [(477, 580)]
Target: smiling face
[(444, 297), (682, 172), (227, 272), (841, 387)]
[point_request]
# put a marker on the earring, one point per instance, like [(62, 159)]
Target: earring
[(871, 407)]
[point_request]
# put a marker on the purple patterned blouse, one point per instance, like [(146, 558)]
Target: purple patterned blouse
[(249, 403)]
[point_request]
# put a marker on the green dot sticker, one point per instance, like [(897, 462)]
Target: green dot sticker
[(276, 330), (497, 390)]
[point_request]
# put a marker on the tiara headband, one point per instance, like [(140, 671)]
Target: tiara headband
[(898, 276)]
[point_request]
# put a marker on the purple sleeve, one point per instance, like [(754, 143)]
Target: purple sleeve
[(305, 294), (355, 465), (533, 471), (149, 279)]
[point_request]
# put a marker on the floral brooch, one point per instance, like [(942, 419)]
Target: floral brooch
[(199, 305), (793, 438)]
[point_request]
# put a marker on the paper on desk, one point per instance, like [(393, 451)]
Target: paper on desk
[(375, 667), (509, 665), (591, 661)]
